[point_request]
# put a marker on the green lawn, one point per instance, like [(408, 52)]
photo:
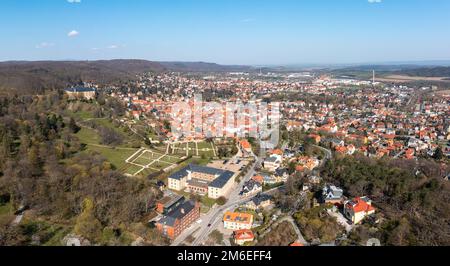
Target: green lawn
[(115, 156), (88, 136), (6, 209)]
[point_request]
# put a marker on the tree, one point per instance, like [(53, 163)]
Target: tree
[(87, 224), (438, 154), (221, 201), (73, 126)]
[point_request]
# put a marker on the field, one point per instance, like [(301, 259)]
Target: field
[(138, 162), (145, 162), (403, 78), (198, 149)]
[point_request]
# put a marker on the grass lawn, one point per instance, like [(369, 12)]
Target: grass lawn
[(204, 145), (88, 136), (6, 209), (131, 169), (170, 159), (208, 201), (84, 115), (6, 214), (116, 156)]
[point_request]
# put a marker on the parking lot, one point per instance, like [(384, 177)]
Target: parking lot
[(233, 165)]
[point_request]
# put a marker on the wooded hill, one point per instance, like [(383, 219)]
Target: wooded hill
[(34, 77)]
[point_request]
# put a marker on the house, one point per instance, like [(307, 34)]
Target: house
[(237, 221), (358, 209), (315, 137), (272, 163), (179, 219), (258, 178), (261, 201), (243, 236), (281, 175), (251, 188), (332, 194), (270, 180), (245, 146), (296, 244)]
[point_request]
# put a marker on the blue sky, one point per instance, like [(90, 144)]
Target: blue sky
[(226, 31)]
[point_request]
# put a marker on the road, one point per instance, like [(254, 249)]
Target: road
[(328, 154), (234, 201), (211, 220)]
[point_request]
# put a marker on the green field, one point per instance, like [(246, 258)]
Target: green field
[(6, 209), (115, 156)]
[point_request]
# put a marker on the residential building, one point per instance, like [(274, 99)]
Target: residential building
[(251, 187), (243, 236), (259, 202), (179, 219), (358, 209), (272, 163), (237, 221), (332, 194)]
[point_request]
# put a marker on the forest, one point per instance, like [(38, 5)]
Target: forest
[(411, 196), (64, 190)]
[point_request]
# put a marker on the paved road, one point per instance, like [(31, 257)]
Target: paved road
[(214, 217), (233, 202), (328, 154)]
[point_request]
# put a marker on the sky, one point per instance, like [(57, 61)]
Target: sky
[(250, 32)]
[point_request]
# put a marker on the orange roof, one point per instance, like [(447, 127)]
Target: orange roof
[(238, 217), (258, 178), (244, 234), (296, 244), (360, 206), (299, 168), (277, 152), (341, 149), (245, 144)]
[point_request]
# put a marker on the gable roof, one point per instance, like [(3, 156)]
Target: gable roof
[(178, 213)]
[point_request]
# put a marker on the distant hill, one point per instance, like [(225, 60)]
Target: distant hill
[(39, 75), (203, 67), (426, 72), (36, 76)]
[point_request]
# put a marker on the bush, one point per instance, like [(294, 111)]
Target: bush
[(221, 201)]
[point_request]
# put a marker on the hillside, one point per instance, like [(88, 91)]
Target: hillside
[(24, 76), (39, 75), (426, 72)]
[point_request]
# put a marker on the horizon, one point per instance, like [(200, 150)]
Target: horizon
[(252, 33)]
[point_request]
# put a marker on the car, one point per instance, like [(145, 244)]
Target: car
[(209, 225)]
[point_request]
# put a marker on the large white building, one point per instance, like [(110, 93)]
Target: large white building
[(237, 221), (202, 180)]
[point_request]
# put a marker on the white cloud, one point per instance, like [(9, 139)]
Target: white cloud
[(73, 33), (74, 1), (374, 1), (44, 45)]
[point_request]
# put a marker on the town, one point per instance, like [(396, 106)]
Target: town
[(223, 188)]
